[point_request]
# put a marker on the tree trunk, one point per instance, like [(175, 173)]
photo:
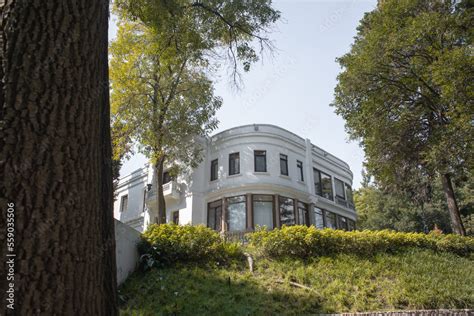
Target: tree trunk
[(55, 157), (456, 222), (160, 198)]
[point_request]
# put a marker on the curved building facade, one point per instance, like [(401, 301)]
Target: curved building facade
[(252, 175)]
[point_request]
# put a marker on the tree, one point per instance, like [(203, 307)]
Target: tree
[(55, 157), (406, 93), (162, 93), (161, 99)]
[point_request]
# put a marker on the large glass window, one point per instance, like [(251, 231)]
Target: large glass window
[(214, 215), (330, 220), (299, 166), (302, 213), (260, 160), (349, 196), (340, 192), (323, 184), (318, 218), (342, 223), (214, 170), (234, 163), (263, 210), (283, 164), (287, 211), (236, 212), (350, 224)]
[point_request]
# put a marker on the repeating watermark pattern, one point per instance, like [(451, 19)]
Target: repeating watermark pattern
[(10, 256)]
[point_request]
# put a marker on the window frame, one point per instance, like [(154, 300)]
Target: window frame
[(320, 179), (232, 158), (214, 173), (280, 197), (270, 198), (326, 213), (122, 198), (323, 218), (284, 163), (260, 153), (214, 205), (227, 213), (299, 166), (305, 212)]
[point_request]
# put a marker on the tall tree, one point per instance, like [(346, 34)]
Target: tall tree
[(176, 43), (406, 93), (55, 156), (161, 99)]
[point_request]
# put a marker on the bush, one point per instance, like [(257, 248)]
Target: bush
[(304, 242), (171, 243)]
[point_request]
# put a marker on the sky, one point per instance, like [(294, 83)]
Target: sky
[(293, 88)]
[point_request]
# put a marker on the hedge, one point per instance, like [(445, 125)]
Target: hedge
[(304, 242), (169, 243)]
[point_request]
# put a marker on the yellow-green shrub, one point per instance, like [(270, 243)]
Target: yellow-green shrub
[(304, 242), (170, 243)]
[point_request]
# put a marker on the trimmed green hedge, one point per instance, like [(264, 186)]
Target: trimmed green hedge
[(305, 242), (171, 243)]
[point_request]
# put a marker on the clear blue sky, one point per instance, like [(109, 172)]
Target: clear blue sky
[(295, 87)]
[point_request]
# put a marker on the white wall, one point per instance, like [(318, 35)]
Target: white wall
[(126, 239)]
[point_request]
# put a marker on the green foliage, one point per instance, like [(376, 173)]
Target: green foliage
[(417, 279), (306, 242), (405, 91), (169, 243)]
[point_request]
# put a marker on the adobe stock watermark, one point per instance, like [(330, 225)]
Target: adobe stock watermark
[(10, 256)]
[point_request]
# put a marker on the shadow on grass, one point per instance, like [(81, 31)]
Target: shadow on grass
[(192, 290)]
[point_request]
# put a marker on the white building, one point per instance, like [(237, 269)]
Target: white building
[(250, 175)]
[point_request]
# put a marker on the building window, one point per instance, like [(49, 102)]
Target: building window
[(214, 170), (318, 218), (330, 220), (342, 223), (166, 177), (302, 213), (299, 166), (236, 213), (323, 184), (283, 165), (263, 210), (214, 215), (234, 163), (176, 217), (124, 203), (350, 225), (349, 196), (287, 211), (340, 192), (260, 157)]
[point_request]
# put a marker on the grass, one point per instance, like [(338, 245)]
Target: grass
[(414, 279)]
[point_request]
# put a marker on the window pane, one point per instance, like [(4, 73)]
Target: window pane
[(237, 213), (260, 161), (299, 165), (349, 195), (330, 220), (317, 182), (287, 211), (214, 215), (214, 169), (263, 210), (302, 210), (342, 223), (350, 224), (234, 163), (124, 203), (318, 218), (283, 164), (339, 186), (326, 185)]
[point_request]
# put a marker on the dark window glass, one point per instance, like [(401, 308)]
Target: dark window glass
[(299, 166), (302, 213), (166, 177), (323, 184), (214, 215), (340, 192), (263, 210), (234, 163), (342, 223), (349, 196), (350, 224), (124, 203), (260, 160), (283, 164), (330, 220), (318, 218), (287, 211), (214, 170), (176, 217), (236, 213)]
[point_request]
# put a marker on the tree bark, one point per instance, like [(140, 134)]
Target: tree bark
[(55, 156), (453, 208), (160, 198)]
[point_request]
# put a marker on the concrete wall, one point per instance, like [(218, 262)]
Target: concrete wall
[(126, 239)]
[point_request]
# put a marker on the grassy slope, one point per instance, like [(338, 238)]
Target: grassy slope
[(412, 280)]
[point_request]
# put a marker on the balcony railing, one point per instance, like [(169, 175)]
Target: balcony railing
[(170, 191)]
